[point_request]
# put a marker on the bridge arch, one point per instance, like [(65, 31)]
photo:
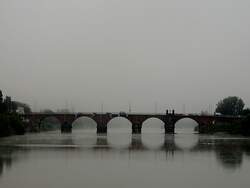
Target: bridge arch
[(49, 123), (186, 125), (119, 124), (154, 125), (84, 122)]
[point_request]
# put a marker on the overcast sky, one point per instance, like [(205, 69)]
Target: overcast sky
[(82, 53)]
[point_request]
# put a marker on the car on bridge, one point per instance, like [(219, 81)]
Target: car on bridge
[(123, 114), (217, 114)]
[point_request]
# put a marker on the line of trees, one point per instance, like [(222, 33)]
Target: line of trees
[(233, 106), (9, 106), (10, 121)]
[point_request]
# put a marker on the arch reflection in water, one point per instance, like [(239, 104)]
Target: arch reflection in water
[(153, 133), (85, 124), (119, 133), (186, 141), (83, 137), (186, 125)]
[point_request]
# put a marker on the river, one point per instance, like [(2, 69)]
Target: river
[(120, 159)]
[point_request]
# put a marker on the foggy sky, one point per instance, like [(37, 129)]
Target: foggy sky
[(82, 53)]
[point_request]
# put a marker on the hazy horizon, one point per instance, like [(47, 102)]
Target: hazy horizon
[(79, 54)]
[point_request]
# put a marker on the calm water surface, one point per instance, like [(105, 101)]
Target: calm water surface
[(118, 159)]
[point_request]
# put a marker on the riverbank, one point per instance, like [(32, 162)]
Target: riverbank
[(240, 128)]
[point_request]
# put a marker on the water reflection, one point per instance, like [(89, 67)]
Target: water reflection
[(102, 142), (229, 152), (186, 141), (5, 159), (153, 141), (119, 139), (229, 155), (136, 143)]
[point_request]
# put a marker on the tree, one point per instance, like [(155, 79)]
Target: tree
[(230, 106), (65, 111), (1, 102), (1, 97), (8, 104), (204, 113), (245, 112), (10, 123), (47, 111), (3, 107), (26, 107)]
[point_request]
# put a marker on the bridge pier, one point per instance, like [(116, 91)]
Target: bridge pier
[(136, 129), (169, 129), (66, 127), (170, 123), (101, 129)]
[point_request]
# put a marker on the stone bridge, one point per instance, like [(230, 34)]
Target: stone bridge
[(136, 119)]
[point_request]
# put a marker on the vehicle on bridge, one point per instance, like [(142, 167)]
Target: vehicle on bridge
[(123, 114), (217, 114)]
